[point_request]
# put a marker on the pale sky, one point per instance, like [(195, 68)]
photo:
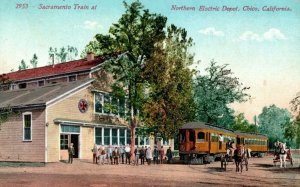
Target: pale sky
[(261, 47)]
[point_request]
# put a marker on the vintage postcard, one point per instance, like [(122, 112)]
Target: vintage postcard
[(150, 93)]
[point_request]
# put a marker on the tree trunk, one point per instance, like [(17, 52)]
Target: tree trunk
[(132, 141)]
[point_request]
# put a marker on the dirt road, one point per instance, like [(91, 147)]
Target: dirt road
[(84, 173)]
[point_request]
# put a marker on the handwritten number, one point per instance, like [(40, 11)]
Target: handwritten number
[(21, 6)]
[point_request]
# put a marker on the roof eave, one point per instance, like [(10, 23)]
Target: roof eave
[(69, 92)]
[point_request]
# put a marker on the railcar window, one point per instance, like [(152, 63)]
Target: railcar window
[(200, 137), (225, 138), (182, 136), (212, 137), (192, 136), (238, 141)]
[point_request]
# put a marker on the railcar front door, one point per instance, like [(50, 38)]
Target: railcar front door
[(209, 142), (182, 140)]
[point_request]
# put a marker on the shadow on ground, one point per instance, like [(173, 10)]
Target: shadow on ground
[(294, 170), (263, 165), (22, 164)]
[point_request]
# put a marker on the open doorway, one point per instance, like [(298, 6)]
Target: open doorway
[(75, 141)]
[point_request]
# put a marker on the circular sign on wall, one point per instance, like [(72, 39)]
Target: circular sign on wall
[(83, 105)]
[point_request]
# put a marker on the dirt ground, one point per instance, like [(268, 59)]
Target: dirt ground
[(84, 173)]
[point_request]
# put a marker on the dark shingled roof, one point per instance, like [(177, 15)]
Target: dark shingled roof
[(203, 125), (38, 96), (61, 68)]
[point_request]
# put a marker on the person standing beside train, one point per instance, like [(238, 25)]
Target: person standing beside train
[(136, 156), (230, 147), (221, 139), (155, 155), (127, 153), (95, 152), (102, 155), (71, 152), (169, 155), (276, 151), (161, 154), (122, 153)]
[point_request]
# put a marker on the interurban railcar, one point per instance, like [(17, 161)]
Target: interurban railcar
[(258, 143), (203, 141)]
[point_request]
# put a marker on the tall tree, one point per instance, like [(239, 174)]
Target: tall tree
[(23, 65), (135, 34), (5, 113), (242, 124), (5, 83), (63, 54), (295, 103), (296, 123), (295, 129), (170, 101), (272, 122), (52, 52), (214, 91), (34, 61), (72, 53)]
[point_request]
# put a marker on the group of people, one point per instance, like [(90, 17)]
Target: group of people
[(122, 154)]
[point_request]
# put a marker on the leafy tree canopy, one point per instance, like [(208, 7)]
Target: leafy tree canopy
[(294, 130), (169, 103), (272, 122), (135, 34), (213, 92)]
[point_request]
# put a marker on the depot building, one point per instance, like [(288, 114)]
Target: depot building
[(61, 104)]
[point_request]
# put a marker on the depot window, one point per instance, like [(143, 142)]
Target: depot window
[(27, 127)]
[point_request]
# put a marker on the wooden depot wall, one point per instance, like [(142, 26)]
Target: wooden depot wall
[(67, 108), (12, 146)]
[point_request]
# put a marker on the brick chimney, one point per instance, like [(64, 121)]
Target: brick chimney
[(90, 56)]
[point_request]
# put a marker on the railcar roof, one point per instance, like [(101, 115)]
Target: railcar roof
[(203, 125), (254, 135)]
